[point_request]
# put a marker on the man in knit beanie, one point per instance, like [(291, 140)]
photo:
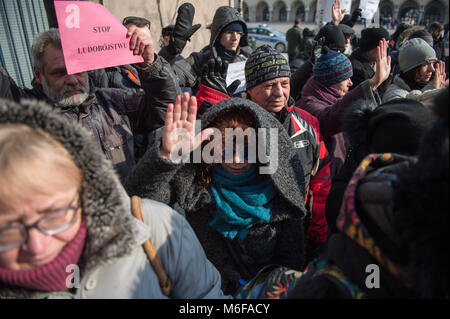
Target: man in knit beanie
[(334, 69), (364, 57), (267, 76), (417, 61)]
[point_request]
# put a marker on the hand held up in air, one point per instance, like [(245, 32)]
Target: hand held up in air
[(337, 15), (439, 75), (383, 65), (179, 129)]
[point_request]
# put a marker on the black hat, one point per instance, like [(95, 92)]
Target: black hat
[(333, 37), (265, 63), (423, 34), (347, 30), (370, 38), (308, 33)]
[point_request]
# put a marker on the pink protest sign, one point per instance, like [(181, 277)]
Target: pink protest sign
[(91, 37)]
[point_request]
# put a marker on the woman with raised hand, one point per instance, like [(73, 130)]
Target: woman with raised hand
[(243, 194), (66, 228)]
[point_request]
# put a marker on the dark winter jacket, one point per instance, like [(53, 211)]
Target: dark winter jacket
[(280, 241), (294, 40), (189, 70), (113, 264), (328, 106), (114, 115), (368, 236), (439, 47), (299, 79)]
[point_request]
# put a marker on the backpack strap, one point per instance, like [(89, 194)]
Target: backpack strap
[(164, 281)]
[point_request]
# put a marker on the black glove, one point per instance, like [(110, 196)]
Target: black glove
[(183, 29), (214, 75), (316, 50), (356, 14)]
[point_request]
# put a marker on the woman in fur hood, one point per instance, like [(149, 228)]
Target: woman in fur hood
[(247, 212), (66, 230)]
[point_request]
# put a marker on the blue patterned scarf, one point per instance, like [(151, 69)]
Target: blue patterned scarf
[(241, 201)]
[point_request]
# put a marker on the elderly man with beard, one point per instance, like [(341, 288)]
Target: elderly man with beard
[(113, 116)]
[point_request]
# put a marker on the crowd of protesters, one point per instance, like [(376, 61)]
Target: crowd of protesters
[(337, 160)]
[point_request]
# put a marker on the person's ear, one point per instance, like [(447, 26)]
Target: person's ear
[(37, 75)]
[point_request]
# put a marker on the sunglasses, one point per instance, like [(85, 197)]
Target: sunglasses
[(136, 20)]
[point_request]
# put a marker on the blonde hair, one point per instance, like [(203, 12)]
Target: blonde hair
[(32, 163)]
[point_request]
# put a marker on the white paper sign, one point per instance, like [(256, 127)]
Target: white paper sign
[(236, 71), (368, 8), (324, 7)]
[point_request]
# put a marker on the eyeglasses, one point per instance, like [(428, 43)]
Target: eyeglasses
[(136, 20), (51, 224)]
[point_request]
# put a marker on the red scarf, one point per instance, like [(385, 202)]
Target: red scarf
[(52, 276)]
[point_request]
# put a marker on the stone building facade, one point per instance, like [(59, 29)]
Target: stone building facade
[(416, 11)]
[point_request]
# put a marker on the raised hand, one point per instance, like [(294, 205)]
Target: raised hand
[(337, 15), (183, 28), (439, 75), (141, 43), (383, 65), (179, 129)]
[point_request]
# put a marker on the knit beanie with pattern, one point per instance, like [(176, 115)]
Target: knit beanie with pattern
[(332, 67), (265, 63)]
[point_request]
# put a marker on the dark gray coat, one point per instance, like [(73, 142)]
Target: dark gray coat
[(113, 116), (278, 241)]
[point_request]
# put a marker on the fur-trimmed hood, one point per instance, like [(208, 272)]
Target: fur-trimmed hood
[(111, 229)]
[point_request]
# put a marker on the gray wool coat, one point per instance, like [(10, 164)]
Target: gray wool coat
[(113, 263), (279, 241)]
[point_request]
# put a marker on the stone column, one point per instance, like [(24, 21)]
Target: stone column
[(306, 14), (421, 13), (252, 14), (396, 10)]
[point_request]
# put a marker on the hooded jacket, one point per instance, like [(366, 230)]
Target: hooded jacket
[(304, 130), (189, 70), (113, 263), (279, 241), (113, 115), (399, 89)]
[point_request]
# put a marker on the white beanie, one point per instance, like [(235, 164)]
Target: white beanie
[(415, 52)]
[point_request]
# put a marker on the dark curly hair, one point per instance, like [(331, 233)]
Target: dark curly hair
[(229, 120)]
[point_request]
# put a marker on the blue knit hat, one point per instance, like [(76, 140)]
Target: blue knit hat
[(234, 26), (332, 67)]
